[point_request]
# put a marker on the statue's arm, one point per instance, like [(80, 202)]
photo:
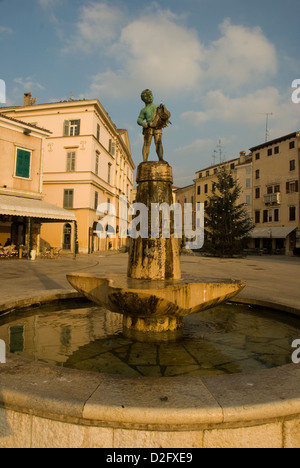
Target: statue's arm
[(141, 119)]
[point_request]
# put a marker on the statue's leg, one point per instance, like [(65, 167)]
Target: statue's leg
[(158, 144), (147, 144)]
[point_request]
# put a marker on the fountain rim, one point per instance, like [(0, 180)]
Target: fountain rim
[(148, 403)]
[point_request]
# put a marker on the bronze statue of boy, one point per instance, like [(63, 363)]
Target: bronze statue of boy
[(153, 119)]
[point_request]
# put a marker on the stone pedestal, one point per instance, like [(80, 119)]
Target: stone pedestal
[(155, 258)]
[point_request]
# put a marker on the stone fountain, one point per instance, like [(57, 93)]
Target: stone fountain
[(154, 297)]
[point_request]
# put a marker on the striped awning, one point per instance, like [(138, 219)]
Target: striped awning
[(32, 208)]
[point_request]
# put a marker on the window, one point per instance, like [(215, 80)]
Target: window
[(72, 127), (207, 173), (257, 156), (71, 161), (214, 186), (23, 160), (257, 192), (276, 215), (257, 217), (97, 164), (270, 189), (199, 190), (248, 199), (68, 199), (98, 132), (109, 173), (232, 166), (206, 188), (266, 216), (292, 187), (292, 165), (248, 183), (112, 147), (200, 175), (276, 150), (292, 145), (292, 213), (277, 189), (96, 200), (270, 152), (257, 174)]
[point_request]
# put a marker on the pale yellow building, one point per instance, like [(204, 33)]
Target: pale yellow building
[(87, 163), (275, 207), (22, 208), (207, 178)]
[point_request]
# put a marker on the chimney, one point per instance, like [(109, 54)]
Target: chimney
[(27, 99), (242, 157)]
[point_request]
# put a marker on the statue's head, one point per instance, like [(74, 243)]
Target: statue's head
[(147, 96)]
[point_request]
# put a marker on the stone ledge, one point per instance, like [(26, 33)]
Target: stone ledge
[(221, 408)]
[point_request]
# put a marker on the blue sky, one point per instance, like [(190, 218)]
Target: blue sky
[(218, 65)]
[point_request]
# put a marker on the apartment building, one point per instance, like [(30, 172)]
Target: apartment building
[(22, 208), (275, 207), (207, 178), (87, 163)]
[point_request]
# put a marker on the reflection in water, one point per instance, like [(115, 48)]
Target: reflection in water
[(80, 335)]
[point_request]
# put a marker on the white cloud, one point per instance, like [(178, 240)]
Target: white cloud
[(241, 56), (98, 26), (28, 84), (158, 50), (195, 147), (5, 30), (162, 52)]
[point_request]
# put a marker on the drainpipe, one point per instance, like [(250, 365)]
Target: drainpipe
[(74, 239)]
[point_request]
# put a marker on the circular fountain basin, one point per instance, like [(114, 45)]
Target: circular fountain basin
[(78, 334), (42, 405)]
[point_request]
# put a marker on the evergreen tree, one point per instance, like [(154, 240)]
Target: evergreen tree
[(227, 225)]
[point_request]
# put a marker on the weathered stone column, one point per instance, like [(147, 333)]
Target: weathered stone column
[(155, 258)]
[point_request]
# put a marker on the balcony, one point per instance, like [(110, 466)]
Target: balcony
[(272, 199)]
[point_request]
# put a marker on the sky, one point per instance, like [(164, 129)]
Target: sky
[(221, 67)]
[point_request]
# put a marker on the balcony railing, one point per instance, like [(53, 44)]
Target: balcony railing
[(272, 199)]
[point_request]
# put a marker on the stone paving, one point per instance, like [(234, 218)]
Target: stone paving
[(274, 279)]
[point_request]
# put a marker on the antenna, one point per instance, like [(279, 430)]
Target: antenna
[(214, 157), (219, 146), (267, 123)]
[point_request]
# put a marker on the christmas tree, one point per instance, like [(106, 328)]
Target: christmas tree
[(227, 224)]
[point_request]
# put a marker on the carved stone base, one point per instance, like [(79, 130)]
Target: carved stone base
[(155, 258)]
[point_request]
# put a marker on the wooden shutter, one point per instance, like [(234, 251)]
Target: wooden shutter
[(71, 161), (297, 186), (112, 147), (23, 164), (66, 128), (287, 187)]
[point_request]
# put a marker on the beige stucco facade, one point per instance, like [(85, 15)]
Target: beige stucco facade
[(22, 208), (275, 207), (87, 163)]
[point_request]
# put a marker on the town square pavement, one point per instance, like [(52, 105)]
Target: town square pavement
[(273, 279)]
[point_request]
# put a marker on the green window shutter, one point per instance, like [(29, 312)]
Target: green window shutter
[(23, 164)]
